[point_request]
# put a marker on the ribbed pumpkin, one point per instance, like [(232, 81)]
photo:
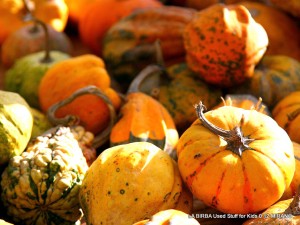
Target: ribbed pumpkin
[(274, 77), (143, 118), (287, 114), (169, 216), (99, 16), (124, 185), (129, 45), (41, 185), (180, 89), (224, 44), (236, 160), (65, 77), (283, 31)]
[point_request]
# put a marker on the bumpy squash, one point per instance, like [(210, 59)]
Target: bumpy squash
[(179, 90), (16, 125), (274, 77), (169, 216), (233, 144), (143, 118), (129, 45), (287, 114), (123, 185), (41, 185), (223, 44), (99, 16), (65, 77), (283, 31)]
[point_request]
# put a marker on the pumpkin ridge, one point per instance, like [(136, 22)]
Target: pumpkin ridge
[(215, 198), (247, 191)]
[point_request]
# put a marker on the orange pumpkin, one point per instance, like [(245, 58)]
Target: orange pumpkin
[(223, 44), (283, 31), (291, 190), (100, 15), (287, 114), (233, 153), (65, 77), (53, 12)]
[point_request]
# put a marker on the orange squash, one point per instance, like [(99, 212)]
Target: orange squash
[(283, 31), (235, 153), (100, 15), (67, 76), (223, 44), (287, 114)]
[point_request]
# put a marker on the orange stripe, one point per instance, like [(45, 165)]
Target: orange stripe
[(248, 198)]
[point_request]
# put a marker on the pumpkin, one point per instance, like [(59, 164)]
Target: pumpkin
[(169, 216), (273, 73), (224, 44), (234, 144), (199, 5), (41, 185), (53, 12), (283, 31), (287, 114), (33, 38), (16, 125), (143, 118), (180, 88), (95, 20), (291, 7), (291, 190), (244, 101), (76, 7), (123, 185), (130, 44), (65, 77), (281, 213)]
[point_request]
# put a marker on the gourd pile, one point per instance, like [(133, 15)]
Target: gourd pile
[(149, 112)]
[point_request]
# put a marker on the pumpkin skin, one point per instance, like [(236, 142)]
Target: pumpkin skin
[(287, 114), (16, 125), (292, 7), (127, 177), (65, 77), (129, 44), (169, 216), (261, 163), (223, 44), (94, 21), (283, 31), (273, 73), (53, 12), (291, 190), (143, 118), (181, 91)]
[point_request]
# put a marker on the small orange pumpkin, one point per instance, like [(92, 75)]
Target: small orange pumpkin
[(65, 77), (230, 152), (287, 114), (223, 44)]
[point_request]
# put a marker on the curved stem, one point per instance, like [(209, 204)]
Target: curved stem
[(145, 73), (236, 142), (293, 115), (71, 120)]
